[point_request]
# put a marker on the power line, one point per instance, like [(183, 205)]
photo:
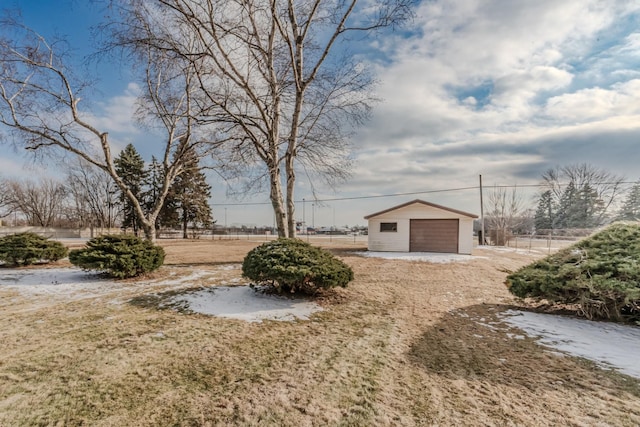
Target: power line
[(335, 199), (413, 193)]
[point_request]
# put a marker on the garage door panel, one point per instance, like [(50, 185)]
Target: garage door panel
[(434, 235)]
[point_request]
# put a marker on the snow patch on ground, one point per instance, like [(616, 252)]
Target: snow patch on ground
[(230, 267), (237, 302), (73, 283), (438, 258), (58, 277), (608, 344), (68, 282), (244, 303)]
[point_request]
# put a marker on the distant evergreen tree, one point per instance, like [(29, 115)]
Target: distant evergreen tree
[(589, 208), (190, 195), (565, 212), (130, 167), (168, 216), (545, 211), (578, 207), (583, 195), (630, 210), (152, 183)]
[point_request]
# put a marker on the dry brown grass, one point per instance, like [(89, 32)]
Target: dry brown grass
[(405, 344)]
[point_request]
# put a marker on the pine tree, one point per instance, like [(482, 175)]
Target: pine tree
[(152, 184), (565, 214), (544, 212), (130, 167), (587, 198), (589, 208), (630, 210), (579, 207), (168, 216), (190, 193)]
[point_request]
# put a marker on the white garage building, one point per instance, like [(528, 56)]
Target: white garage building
[(420, 226)]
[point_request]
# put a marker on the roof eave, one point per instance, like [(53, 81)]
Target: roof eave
[(433, 205)]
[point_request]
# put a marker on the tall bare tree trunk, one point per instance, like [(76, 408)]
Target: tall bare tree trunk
[(276, 197), (149, 229), (291, 206)]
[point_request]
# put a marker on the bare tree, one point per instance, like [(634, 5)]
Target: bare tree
[(583, 193), (41, 203), (5, 206), (93, 195), (505, 213), (267, 72), (40, 102)]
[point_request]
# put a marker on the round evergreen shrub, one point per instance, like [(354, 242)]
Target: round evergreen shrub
[(292, 265), (29, 248), (599, 274), (119, 256)]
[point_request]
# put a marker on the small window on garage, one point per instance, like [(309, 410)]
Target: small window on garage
[(389, 227)]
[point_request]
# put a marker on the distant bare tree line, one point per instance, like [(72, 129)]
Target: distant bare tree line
[(573, 199), (87, 198)]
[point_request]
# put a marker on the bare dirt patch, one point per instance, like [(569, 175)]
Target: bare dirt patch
[(407, 343)]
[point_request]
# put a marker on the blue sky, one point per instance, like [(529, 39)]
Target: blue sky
[(499, 88)]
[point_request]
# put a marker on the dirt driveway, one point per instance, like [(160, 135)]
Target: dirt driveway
[(407, 343)]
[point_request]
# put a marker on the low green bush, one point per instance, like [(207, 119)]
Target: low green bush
[(291, 265), (599, 274), (119, 256), (29, 248)]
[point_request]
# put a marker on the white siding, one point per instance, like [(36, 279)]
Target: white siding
[(465, 235), (399, 241), (388, 241)]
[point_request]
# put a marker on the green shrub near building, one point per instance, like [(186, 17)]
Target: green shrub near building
[(119, 256), (599, 274), (29, 248), (291, 265)]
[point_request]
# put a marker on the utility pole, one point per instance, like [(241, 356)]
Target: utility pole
[(482, 238), (304, 215)]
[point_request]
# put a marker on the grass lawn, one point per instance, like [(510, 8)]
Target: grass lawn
[(407, 343)]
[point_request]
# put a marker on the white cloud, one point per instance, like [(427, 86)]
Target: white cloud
[(11, 168), (117, 114), (485, 38), (521, 86), (596, 103)]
